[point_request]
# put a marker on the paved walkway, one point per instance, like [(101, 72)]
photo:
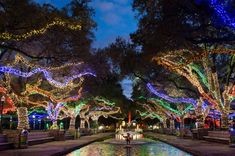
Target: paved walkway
[(56, 147), (196, 147)]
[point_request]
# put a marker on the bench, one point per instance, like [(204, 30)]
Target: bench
[(218, 136), (68, 136), (35, 138), (4, 144), (200, 133), (85, 131)]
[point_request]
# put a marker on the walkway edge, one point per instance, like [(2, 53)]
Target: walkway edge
[(194, 153), (80, 146)]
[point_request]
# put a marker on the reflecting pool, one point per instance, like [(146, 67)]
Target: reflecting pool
[(148, 148)]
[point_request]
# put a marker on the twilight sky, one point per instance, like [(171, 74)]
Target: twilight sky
[(114, 18)]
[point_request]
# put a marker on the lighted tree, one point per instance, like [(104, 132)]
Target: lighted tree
[(200, 106), (8, 105), (72, 110), (203, 70), (158, 108), (30, 83), (100, 106)]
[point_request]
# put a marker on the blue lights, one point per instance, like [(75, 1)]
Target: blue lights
[(220, 12)]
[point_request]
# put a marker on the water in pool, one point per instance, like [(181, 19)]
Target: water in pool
[(143, 147)]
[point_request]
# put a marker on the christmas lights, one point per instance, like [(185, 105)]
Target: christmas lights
[(151, 115), (23, 120), (181, 62), (57, 99), (178, 55), (103, 108), (222, 13), (56, 22), (20, 59), (105, 101), (202, 76), (10, 107), (47, 75), (170, 99), (53, 112)]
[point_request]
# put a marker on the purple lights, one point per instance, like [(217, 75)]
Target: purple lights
[(47, 75), (170, 99)]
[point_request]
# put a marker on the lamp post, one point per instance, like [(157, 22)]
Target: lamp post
[(2, 102), (33, 121)]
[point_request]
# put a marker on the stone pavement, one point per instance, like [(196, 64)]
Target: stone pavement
[(195, 147), (56, 147)]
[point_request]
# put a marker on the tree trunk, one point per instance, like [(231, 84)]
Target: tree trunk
[(224, 120), (88, 124), (72, 123), (54, 125), (182, 122), (82, 123), (23, 120), (164, 123)]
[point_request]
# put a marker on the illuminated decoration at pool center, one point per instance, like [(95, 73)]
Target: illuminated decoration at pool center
[(57, 21)]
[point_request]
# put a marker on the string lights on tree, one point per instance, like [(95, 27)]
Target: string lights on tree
[(56, 22), (206, 82)]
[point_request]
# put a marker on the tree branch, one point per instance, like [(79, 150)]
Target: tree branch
[(24, 53)]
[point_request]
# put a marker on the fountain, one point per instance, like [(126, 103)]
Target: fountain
[(136, 134)]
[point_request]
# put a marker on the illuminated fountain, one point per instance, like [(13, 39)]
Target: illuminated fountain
[(134, 133)]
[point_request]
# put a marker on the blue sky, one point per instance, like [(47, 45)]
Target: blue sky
[(114, 18)]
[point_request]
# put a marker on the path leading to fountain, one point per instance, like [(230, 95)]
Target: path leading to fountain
[(195, 147), (55, 147)]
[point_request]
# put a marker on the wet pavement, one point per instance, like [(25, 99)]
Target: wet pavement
[(55, 147), (195, 147)]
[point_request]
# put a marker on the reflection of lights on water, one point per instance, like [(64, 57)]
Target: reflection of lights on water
[(153, 148)]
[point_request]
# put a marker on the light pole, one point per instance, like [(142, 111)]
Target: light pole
[(2, 102), (33, 122), (10, 122)]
